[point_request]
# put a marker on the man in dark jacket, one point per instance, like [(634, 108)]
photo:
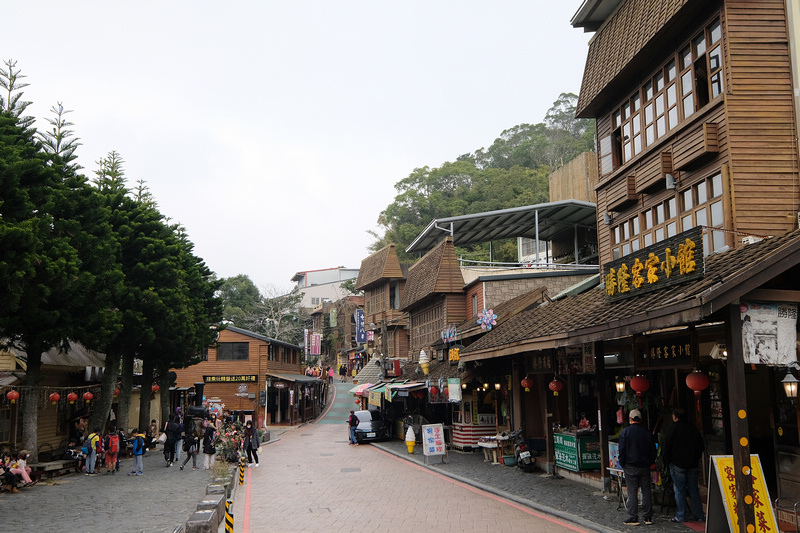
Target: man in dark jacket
[(683, 447), (636, 453)]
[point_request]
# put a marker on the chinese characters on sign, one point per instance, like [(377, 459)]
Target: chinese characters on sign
[(671, 261), (361, 334), (316, 343), (673, 351), (723, 493), (231, 379), (433, 439)]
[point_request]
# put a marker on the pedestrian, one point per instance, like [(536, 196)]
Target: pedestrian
[(151, 434), (190, 447), (352, 422), (111, 445), (93, 442), (171, 430), (179, 442), (330, 374), (76, 437), (138, 447), (123, 446), (251, 443), (683, 448), (637, 453), (343, 373), (208, 445)]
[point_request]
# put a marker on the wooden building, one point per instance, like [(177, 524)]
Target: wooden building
[(383, 279), (249, 374)]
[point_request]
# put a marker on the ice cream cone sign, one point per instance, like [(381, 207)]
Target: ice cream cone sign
[(424, 362), (411, 440)]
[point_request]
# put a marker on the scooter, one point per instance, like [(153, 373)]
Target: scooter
[(525, 461)]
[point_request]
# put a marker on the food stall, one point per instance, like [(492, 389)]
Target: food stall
[(475, 417)]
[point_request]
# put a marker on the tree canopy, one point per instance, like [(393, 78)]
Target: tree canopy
[(512, 172)]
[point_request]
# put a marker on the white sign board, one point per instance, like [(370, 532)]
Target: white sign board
[(433, 439)]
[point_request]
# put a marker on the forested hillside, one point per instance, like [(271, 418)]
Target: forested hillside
[(512, 172)]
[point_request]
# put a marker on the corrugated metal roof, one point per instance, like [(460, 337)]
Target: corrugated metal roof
[(546, 222)]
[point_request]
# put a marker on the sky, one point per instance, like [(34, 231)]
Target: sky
[(274, 132)]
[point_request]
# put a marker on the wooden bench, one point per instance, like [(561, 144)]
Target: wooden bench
[(52, 468)]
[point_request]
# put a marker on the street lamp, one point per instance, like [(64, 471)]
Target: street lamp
[(790, 385)]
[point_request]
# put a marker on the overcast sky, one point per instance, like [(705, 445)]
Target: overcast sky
[(275, 131)]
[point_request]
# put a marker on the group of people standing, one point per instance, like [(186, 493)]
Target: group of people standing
[(683, 448)]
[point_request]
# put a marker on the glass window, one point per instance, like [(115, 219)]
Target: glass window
[(686, 197), (233, 351), (716, 186), (715, 32), (701, 193)]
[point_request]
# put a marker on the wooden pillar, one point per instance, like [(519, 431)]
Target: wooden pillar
[(740, 432), (603, 425)]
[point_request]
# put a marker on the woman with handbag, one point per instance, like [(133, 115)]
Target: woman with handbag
[(251, 443)]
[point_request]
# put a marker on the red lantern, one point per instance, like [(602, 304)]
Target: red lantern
[(116, 392), (55, 397), (434, 391), (72, 397), (556, 386), (527, 383), (87, 397), (697, 381), (155, 388), (640, 384), (12, 395), (358, 402)]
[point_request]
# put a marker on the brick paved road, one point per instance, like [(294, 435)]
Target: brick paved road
[(155, 502), (312, 480)]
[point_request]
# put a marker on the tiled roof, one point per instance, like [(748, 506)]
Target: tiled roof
[(589, 316), (380, 265), (436, 272), (619, 40)]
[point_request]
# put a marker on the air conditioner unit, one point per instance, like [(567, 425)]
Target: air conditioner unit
[(751, 239)]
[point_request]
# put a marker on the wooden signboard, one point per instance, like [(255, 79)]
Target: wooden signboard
[(721, 515)]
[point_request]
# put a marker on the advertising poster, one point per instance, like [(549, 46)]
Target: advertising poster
[(769, 334)]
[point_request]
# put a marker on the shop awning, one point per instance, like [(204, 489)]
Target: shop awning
[(300, 378), (394, 388), (359, 389)]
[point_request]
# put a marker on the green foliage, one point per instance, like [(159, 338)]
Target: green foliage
[(240, 297), (60, 140), (512, 172), (11, 100)]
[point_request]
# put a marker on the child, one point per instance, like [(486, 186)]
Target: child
[(20, 468), (190, 447), (138, 450), (111, 444)]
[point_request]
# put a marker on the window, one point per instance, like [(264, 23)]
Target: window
[(271, 355), (701, 205), (315, 301), (233, 351), (683, 85), (651, 226), (474, 305)]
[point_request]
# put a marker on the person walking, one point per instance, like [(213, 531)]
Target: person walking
[(171, 430), (111, 445), (251, 443), (190, 447), (138, 448), (208, 445), (179, 442), (636, 453), (352, 422), (343, 373), (330, 374), (683, 448)]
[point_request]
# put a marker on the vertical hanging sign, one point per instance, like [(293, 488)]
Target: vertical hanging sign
[(361, 334)]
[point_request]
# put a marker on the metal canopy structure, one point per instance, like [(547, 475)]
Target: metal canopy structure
[(541, 222)]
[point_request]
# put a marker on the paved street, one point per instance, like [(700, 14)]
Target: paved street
[(156, 502), (312, 480)]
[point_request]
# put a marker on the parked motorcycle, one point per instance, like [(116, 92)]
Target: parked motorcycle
[(525, 460)]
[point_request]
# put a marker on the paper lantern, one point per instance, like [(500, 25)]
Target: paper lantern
[(87, 397), (12, 396), (155, 388), (72, 397), (556, 386), (116, 392), (434, 391), (527, 383), (54, 397), (358, 402), (697, 381), (639, 384)]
